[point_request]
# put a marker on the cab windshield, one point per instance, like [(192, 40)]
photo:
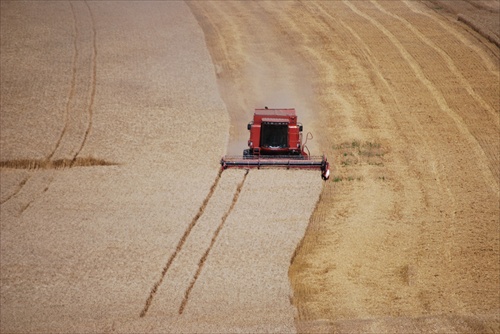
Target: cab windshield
[(274, 135)]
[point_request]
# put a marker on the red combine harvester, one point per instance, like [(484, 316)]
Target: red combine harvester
[(276, 141)]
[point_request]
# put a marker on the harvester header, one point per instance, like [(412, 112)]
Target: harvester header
[(276, 141)]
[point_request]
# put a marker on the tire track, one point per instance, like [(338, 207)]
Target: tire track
[(201, 263), (30, 202), (69, 100), (72, 89), (180, 244), (93, 84), (438, 97), (71, 97), (17, 190)]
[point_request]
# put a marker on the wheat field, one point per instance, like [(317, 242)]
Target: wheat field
[(116, 217)]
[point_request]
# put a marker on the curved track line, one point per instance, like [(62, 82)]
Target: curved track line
[(71, 95), (415, 124), (201, 263), (492, 68), (438, 97), (92, 83), (222, 57), (377, 70), (72, 88), (27, 205), (449, 62), (18, 189), (315, 58), (181, 242)]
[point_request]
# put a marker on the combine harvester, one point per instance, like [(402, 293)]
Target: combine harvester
[(276, 141)]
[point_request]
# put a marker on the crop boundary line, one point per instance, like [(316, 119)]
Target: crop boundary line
[(203, 259), (180, 244)]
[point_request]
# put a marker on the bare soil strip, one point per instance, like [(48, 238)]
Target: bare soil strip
[(477, 26), (482, 16), (460, 35), (449, 63)]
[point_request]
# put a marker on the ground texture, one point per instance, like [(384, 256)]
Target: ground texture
[(116, 218)]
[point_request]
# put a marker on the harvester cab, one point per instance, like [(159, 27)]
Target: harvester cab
[(276, 141), (274, 132)]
